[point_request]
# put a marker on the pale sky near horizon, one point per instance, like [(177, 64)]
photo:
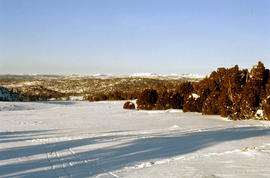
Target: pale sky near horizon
[(131, 36)]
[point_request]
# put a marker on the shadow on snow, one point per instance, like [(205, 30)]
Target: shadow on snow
[(115, 157)]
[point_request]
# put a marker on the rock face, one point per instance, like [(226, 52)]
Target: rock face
[(192, 104), (234, 93), (163, 98), (266, 108), (147, 99), (6, 95)]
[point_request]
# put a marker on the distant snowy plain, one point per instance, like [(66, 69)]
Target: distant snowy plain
[(100, 139)]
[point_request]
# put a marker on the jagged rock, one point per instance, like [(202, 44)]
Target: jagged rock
[(210, 105), (192, 104), (266, 108), (234, 93), (163, 98), (185, 89), (147, 99)]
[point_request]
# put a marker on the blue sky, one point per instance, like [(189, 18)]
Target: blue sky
[(129, 36)]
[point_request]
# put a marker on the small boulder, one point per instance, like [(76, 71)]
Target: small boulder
[(129, 105)]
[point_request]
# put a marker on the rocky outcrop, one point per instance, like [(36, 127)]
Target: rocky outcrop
[(234, 93)]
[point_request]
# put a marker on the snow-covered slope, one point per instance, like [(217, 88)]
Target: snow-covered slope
[(100, 139)]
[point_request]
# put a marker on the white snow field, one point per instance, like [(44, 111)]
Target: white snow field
[(100, 139)]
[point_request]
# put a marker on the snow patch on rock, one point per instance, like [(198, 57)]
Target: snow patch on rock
[(194, 95)]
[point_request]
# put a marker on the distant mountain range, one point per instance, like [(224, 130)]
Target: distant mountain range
[(167, 75), (101, 75)]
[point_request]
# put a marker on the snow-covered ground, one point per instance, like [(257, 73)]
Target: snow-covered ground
[(100, 139)]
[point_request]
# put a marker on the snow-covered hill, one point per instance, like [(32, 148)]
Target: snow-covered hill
[(100, 139)]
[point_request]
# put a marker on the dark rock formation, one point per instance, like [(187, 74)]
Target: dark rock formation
[(192, 104), (129, 105), (234, 93), (147, 99)]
